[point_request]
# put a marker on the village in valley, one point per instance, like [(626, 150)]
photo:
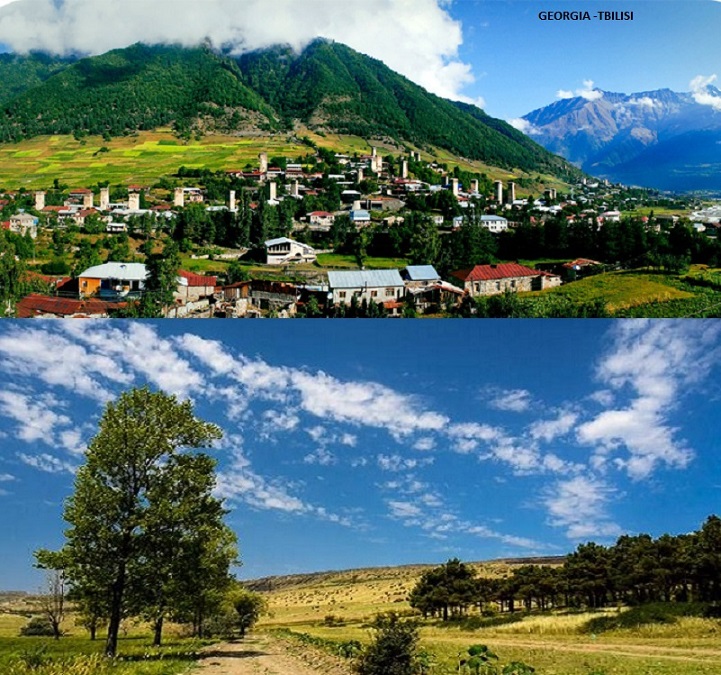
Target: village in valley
[(328, 234)]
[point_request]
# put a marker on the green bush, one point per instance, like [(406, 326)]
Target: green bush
[(37, 626)]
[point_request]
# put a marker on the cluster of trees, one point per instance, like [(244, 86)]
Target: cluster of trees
[(635, 570), (146, 536)]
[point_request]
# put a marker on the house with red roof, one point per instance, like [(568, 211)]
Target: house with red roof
[(191, 286), (494, 279)]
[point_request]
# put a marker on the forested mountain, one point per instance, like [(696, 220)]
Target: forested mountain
[(20, 73), (328, 87), (660, 139)]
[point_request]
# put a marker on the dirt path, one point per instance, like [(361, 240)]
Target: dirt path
[(694, 654), (267, 655)]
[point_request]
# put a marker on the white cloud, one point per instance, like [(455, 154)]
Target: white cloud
[(587, 91), (37, 421), (701, 94), (549, 430), (644, 102), (6, 477), (320, 456), (398, 463), (524, 126), (47, 463), (579, 505), (363, 403), (651, 361), (417, 38), (424, 444), (512, 400), (404, 510)]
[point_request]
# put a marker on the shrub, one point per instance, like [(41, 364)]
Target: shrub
[(394, 650), (38, 625)]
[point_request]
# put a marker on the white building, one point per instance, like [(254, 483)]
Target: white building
[(369, 285), (282, 250)]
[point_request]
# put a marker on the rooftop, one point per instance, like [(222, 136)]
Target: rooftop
[(363, 278)]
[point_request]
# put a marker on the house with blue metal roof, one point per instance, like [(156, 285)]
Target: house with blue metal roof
[(370, 285)]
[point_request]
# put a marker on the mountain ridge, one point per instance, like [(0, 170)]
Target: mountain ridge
[(617, 136)]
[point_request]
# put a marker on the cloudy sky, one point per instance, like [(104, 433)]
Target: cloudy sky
[(496, 53), (346, 445)]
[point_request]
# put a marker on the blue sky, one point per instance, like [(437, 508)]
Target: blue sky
[(497, 53), (350, 444)]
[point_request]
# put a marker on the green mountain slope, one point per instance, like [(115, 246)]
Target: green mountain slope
[(20, 73), (327, 87), (139, 87)]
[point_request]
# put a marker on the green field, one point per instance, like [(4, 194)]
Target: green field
[(146, 156)]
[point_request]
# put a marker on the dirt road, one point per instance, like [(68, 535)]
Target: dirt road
[(267, 655)]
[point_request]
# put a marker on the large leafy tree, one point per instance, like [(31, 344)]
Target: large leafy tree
[(139, 490)]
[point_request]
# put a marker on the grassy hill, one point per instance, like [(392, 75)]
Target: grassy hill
[(329, 609)]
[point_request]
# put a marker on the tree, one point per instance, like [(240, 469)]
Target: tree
[(52, 602), (248, 606), (126, 497), (161, 282), (446, 590)]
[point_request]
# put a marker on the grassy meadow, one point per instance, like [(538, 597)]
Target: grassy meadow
[(146, 156), (339, 607), (76, 654)]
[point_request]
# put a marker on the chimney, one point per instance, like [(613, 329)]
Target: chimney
[(404, 168), (179, 197), (263, 161), (39, 200), (133, 201), (231, 204), (104, 198), (87, 200), (454, 186), (273, 191)]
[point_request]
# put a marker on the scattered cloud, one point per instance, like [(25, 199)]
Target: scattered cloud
[(36, 419), (701, 94), (320, 456), (512, 400), (419, 39), (398, 463), (649, 361), (550, 430), (579, 505), (47, 463), (587, 91)]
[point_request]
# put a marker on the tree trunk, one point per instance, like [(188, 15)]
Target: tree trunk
[(158, 633), (116, 613)]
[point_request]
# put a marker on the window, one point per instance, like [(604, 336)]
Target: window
[(374, 294), (341, 294), (389, 292)]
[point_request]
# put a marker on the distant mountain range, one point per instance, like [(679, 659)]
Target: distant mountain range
[(328, 87), (660, 139)]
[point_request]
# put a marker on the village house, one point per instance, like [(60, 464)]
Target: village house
[(113, 280), (494, 224), (370, 285), (321, 219), (494, 279), (192, 287), (24, 223), (283, 250)]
